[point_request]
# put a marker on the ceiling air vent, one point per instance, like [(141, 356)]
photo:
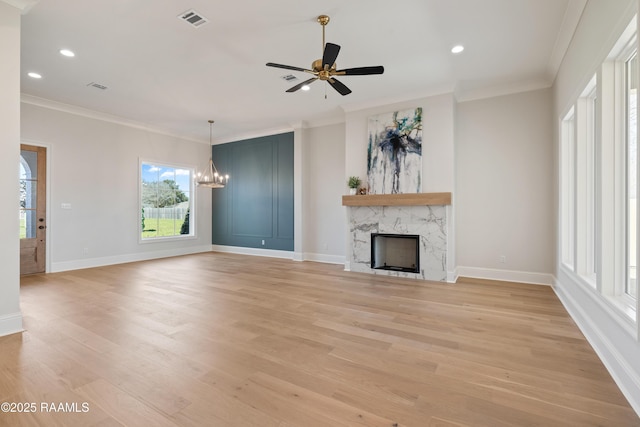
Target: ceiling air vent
[(193, 18), (289, 78), (97, 86)]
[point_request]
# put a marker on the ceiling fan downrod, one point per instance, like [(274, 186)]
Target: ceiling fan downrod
[(323, 20)]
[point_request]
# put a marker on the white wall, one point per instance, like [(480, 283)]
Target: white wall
[(504, 187), (10, 316), (614, 340), (324, 185), (94, 167), (438, 115)]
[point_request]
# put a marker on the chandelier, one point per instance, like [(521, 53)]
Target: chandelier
[(209, 177)]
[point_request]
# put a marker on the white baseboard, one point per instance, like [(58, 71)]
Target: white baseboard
[(11, 324), (503, 275), (324, 258), (452, 276), (615, 345), (121, 259), (253, 251), (295, 256)]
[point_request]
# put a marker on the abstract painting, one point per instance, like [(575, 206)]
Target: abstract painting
[(394, 157)]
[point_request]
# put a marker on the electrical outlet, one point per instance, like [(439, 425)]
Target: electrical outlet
[(502, 259), (263, 242), (85, 251)]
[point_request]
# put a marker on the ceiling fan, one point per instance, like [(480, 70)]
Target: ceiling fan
[(325, 68)]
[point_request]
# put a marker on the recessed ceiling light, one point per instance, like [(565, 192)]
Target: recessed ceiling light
[(305, 87), (34, 75), (67, 52), (457, 49)]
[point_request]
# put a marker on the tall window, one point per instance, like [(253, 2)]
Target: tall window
[(166, 202), (586, 183), (568, 144), (592, 183), (631, 113)]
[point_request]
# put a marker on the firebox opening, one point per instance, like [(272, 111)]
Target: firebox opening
[(397, 252)]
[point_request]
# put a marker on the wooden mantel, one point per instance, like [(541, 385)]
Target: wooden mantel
[(409, 199)]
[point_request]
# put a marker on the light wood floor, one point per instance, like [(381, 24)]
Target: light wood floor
[(230, 340)]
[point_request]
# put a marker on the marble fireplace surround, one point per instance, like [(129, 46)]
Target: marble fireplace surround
[(424, 214)]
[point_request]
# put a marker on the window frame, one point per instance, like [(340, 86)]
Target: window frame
[(192, 201), (567, 189), (613, 175), (587, 173)]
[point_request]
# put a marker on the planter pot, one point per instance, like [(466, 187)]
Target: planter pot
[(352, 191)]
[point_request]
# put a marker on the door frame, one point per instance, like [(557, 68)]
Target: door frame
[(48, 253)]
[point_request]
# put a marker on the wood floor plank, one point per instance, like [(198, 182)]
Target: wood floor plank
[(318, 404), (232, 340), (121, 405)]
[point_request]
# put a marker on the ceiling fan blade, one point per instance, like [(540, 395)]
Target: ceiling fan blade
[(288, 67), (330, 54), (339, 86), (360, 71), (298, 86)]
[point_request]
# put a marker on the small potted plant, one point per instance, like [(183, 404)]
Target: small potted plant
[(354, 183)]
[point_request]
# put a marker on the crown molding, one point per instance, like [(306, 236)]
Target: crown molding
[(254, 134), (300, 124), (292, 126), (379, 102), (501, 90), (97, 115), (23, 5), (572, 16), (316, 122)]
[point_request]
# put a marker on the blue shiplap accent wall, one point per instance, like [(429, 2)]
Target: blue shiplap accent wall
[(257, 204)]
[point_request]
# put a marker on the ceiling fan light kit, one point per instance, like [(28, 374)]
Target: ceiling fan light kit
[(326, 69)]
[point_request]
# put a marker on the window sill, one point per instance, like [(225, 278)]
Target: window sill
[(618, 307), (166, 239), (623, 306), (589, 280)]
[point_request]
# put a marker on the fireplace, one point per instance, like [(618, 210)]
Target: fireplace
[(396, 252), (420, 214)]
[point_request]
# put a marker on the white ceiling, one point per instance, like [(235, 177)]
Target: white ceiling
[(167, 75)]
